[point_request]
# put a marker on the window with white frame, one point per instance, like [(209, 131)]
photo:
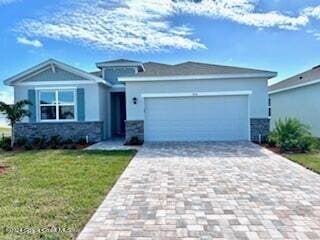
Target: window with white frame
[(57, 105)]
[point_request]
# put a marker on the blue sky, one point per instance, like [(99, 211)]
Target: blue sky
[(278, 35)]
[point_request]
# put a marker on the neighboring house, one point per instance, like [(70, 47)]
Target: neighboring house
[(152, 101), (298, 97)]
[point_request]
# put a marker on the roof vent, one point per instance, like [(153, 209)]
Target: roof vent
[(316, 67), (300, 77)]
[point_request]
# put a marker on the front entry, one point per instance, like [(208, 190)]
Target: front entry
[(118, 113)]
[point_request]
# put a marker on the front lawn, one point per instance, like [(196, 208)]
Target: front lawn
[(54, 190), (308, 160)]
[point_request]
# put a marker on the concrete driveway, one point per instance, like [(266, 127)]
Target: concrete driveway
[(209, 191)]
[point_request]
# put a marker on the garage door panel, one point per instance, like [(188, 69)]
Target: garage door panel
[(196, 118)]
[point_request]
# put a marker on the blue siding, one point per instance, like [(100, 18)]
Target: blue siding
[(32, 108), (111, 74), (58, 75), (80, 104)]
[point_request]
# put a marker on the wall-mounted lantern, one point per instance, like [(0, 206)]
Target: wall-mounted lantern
[(134, 100)]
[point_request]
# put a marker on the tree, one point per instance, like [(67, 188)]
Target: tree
[(14, 113)]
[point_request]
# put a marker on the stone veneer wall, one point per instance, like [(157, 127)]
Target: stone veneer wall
[(67, 130), (259, 126), (134, 128)]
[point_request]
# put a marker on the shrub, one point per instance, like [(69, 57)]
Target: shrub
[(28, 147), (4, 142), (20, 142), (7, 148), (73, 146), (82, 141), (135, 141), (55, 140), (271, 140), (291, 135), (40, 142), (68, 141)]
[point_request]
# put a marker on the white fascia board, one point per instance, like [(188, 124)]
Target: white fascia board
[(21, 76), (56, 88), (294, 87), (29, 71), (101, 65), (118, 88), (198, 77), (51, 83), (196, 94)]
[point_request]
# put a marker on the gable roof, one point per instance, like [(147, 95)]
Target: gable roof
[(53, 63), (306, 78), (121, 63), (193, 68)]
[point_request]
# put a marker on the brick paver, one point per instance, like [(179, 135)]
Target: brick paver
[(209, 191)]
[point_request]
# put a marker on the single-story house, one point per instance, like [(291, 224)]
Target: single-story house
[(298, 97), (150, 101)]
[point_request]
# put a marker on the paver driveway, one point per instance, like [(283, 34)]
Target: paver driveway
[(208, 191)]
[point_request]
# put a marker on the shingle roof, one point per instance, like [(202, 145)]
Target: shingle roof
[(153, 69), (97, 73), (302, 78)]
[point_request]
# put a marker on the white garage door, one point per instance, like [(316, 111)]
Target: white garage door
[(209, 118)]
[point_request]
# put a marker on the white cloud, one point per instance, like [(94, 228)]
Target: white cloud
[(4, 2), (130, 26), (25, 41), (241, 11), (143, 25), (312, 12)]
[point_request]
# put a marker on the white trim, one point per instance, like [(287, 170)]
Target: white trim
[(56, 105), (198, 77), (53, 68), (49, 83), (296, 86), (118, 86), (195, 94), (101, 65), (19, 77), (58, 88), (34, 73)]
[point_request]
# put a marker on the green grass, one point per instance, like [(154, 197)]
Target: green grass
[(55, 188), (308, 160), (5, 130)]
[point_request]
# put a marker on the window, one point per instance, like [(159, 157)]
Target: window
[(57, 105), (269, 107)]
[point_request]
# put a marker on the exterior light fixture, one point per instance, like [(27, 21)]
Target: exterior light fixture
[(134, 100)]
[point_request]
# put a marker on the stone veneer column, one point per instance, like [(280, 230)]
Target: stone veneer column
[(259, 126), (134, 128)]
